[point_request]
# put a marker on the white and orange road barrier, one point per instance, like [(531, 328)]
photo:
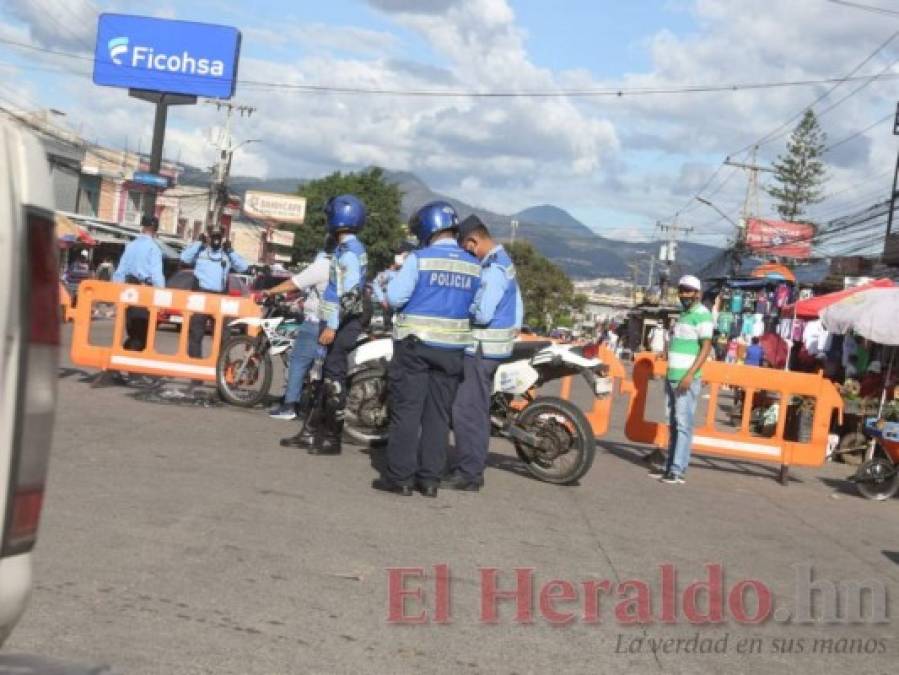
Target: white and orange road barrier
[(150, 360)]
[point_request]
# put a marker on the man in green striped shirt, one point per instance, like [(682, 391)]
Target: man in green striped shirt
[(691, 343)]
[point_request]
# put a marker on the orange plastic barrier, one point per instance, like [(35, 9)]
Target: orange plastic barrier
[(741, 443), (65, 303), (150, 361)]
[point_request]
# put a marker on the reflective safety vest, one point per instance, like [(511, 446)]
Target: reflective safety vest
[(498, 337), (331, 299), (437, 311)]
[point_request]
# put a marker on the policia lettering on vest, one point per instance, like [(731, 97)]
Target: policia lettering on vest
[(432, 293), (496, 314)]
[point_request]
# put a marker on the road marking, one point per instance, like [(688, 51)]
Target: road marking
[(757, 448), (162, 365)]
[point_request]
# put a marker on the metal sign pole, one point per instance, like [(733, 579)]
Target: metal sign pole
[(162, 102)]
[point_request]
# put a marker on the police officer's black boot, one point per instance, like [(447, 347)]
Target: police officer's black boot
[(329, 440), (308, 435)]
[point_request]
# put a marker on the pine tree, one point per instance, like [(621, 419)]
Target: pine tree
[(800, 173)]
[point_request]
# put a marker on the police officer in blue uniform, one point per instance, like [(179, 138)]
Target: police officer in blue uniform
[(432, 294), (141, 263), (212, 259), (496, 314), (342, 307)]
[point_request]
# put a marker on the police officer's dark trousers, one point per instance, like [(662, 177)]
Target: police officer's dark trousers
[(137, 322), (423, 382), (471, 416), (197, 331)]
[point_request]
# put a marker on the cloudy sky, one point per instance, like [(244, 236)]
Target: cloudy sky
[(619, 163)]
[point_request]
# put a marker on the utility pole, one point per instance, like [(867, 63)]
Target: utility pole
[(514, 226), (218, 189), (669, 251), (751, 203)]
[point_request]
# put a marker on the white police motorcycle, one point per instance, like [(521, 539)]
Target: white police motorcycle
[(552, 436)]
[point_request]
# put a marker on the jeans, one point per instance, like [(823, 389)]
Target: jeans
[(681, 409), (305, 347)]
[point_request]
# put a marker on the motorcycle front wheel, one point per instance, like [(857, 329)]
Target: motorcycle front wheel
[(877, 479), (243, 375), (569, 445)]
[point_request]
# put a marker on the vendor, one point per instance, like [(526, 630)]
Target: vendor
[(872, 382)]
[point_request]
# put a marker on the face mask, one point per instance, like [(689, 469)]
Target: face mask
[(216, 243), (686, 303)]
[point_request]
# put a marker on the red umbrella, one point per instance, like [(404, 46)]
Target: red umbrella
[(812, 308)]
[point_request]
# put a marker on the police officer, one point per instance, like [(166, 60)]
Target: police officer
[(379, 285), (341, 307), (141, 263), (497, 314), (212, 259), (432, 294)]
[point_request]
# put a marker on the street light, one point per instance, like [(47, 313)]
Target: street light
[(723, 214)]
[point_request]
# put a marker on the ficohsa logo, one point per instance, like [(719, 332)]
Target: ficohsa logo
[(117, 47), (148, 59)]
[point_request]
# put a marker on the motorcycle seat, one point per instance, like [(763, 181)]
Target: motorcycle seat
[(525, 349)]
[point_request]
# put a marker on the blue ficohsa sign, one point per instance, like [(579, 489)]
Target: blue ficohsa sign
[(178, 57)]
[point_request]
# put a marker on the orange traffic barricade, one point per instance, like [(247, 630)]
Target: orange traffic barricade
[(151, 360), (65, 303), (746, 413)]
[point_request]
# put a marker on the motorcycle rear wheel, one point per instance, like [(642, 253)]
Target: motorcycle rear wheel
[(249, 388), (366, 396), (564, 425)]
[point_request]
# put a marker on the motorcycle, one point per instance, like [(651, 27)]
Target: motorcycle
[(878, 477), (552, 436), (244, 368)]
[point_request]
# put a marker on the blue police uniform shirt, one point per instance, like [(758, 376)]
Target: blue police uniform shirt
[(434, 290), (348, 268), (211, 268), (142, 259), (497, 311)]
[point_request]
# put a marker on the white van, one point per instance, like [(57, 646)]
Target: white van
[(29, 330)]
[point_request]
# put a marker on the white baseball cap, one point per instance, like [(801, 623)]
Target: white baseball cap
[(689, 281)]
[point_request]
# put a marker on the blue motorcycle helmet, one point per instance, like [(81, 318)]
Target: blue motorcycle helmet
[(432, 218), (345, 213)]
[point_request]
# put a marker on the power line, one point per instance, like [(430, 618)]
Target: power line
[(867, 8), (563, 93)]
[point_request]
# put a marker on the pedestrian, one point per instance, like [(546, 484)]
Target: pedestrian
[(312, 282), (379, 287), (342, 309), (78, 270), (141, 263), (212, 258), (754, 353), (496, 316), (432, 294), (691, 343), (105, 270)]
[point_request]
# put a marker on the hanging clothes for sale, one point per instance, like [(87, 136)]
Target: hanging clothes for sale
[(725, 322), (736, 302), (758, 325)]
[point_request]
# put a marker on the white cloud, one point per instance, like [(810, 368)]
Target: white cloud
[(641, 156)]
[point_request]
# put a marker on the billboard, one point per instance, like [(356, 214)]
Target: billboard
[(779, 238), (178, 57), (274, 206)]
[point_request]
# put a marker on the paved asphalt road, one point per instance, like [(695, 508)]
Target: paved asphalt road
[(182, 539)]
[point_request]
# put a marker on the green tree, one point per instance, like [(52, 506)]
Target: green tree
[(383, 232), (800, 173), (545, 289)]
